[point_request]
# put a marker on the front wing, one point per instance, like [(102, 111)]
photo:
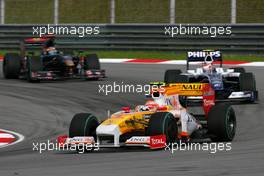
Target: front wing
[(239, 96), (53, 75), (152, 142)]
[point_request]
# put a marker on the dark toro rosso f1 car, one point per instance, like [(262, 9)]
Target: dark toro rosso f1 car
[(232, 84), (50, 64)]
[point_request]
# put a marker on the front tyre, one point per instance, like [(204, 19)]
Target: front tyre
[(163, 123), (83, 124), (11, 66), (247, 82)]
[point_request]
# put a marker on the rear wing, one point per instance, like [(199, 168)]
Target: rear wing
[(34, 43), (201, 56), (37, 41), (31, 43), (190, 90), (183, 89)]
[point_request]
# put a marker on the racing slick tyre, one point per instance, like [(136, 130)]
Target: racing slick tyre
[(91, 62), (222, 123), (11, 65), (247, 82), (171, 76), (239, 69), (34, 64), (83, 124), (163, 123)]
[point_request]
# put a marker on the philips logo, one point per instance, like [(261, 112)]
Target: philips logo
[(200, 54)]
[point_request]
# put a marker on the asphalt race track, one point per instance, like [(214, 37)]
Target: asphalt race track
[(43, 111)]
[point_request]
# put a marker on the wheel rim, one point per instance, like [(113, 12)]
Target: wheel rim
[(230, 124)]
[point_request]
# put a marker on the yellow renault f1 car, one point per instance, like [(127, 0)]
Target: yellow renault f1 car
[(162, 120)]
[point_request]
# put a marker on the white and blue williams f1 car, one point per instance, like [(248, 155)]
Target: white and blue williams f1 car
[(230, 84)]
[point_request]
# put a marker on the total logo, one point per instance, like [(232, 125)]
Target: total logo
[(157, 141)]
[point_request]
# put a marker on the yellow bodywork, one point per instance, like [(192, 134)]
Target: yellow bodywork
[(128, 122)]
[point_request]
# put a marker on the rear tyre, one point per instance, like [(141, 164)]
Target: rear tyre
[(11, 65), (171, 76), (222, 123), (163, 123), (34, 64), (239, 69), (247, 82), (83, 124), (91, 62)]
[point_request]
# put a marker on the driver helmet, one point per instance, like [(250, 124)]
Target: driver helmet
[(159, 100), (208, 64), (208, 68), (49, 45), (152, 105)]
